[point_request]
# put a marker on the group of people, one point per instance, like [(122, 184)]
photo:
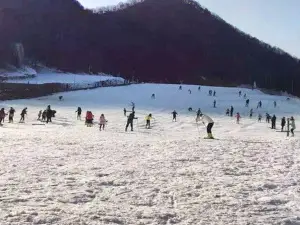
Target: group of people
[(89, 119), (11, 115)]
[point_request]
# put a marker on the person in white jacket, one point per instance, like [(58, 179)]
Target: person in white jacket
[(206, 120), (103, 121)]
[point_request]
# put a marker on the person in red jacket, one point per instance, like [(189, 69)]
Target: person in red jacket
[(89, 118)]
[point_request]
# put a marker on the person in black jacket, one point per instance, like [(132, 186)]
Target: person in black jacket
[(23, 113), (11, 114), (49, 114), (79, 110), (174, 113), (273, 120), (130, 119), (283, 122)]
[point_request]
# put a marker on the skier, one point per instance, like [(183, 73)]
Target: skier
[(130, 119), (125, 111), (174, 113), (190, 91), (49, 114), (259, 117), (273, 120), (275, 104), (2, 115), (103, 121), (238, 117), (78, 111), (259, 104), (210, 123), (214, 93), (23, 113), (89, 119), (247, 102), (199, 88), (231, 111), (148, 119), (240, 93), (268, 117), (11, 114), (215, 102), (60, 98), (40, 114), (227, 112), (180, 87), (293, 125), (283, 122), (251, 113), (153, 96)]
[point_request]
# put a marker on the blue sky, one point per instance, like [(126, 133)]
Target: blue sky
[(276, 22)]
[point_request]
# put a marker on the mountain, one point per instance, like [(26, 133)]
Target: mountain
[(151, 40)]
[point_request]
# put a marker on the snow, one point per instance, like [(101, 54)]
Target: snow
[(18, 73), (68, 78), (65, 173)]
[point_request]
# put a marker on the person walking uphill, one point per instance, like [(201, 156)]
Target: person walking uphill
[(103, 122), (130, 119), (206, 120), (23, 113)]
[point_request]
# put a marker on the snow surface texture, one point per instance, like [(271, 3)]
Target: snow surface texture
[(65, 173), (18, 73), (69, 78)]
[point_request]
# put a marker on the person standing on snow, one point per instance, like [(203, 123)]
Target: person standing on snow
[(215, 102), (49, 114), (227, 112), (40, 114), (275, 104), (214, 94), (130, 119), (190, 91), (268, 117), (273, 120), (251, 113), (283, 122), (148, 120), (103, 121), (23, 113), (11, 115), (125, 111), (199, 88), (2, 115), (293, 125), (247, 102), (238, 117), (78, 111), (259, 118), (174, 113), (208, 122), (231, 111), (240, 93)]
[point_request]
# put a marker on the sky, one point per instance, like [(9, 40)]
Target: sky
[(276, 22)]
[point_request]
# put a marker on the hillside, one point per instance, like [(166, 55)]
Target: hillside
[(153, 40)]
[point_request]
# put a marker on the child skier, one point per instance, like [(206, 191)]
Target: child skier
[(103, 121), (206, 120), (40, 114), (238, 117), (148, 119), (89, 119)]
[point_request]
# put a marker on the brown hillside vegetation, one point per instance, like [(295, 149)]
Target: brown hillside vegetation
[(150, 40)]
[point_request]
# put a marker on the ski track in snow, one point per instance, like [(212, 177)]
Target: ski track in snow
[(65, 173)]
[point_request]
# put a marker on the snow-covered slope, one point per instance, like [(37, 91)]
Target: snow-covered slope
[(67, 78), (66, 173)]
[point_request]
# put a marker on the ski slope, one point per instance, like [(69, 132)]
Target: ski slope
[(65, 173)]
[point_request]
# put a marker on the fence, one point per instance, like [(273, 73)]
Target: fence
[(9, 91)]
